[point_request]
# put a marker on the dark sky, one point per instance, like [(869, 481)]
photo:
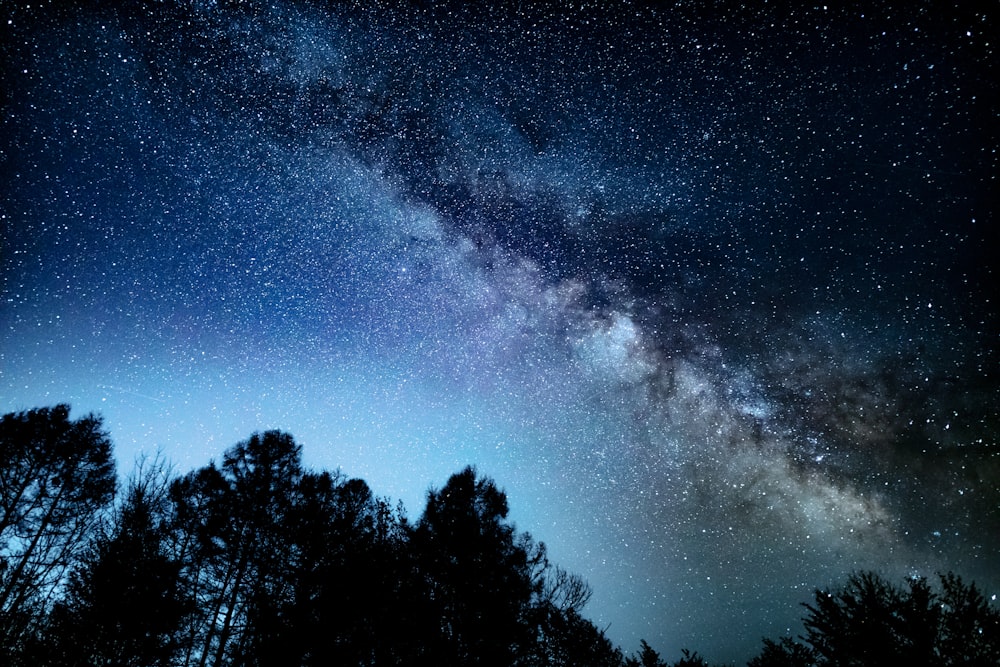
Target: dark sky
[(710, 294)]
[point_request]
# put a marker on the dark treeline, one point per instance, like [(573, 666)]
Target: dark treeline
[(259, 561)]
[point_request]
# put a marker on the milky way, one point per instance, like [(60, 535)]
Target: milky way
[(710, 295)]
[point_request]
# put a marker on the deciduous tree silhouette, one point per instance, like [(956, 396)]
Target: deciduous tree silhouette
[(869, 621), (479, 584), (231, 529), (124, 604), (196, 526), (56, 475), (564, 590), (858, 624), (566, 638), (257, 562), (969, 632), (346, 577)]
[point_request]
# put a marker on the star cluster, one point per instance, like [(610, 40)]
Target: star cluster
[(710, 293)]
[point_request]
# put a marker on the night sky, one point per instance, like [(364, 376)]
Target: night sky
[(710, 294)]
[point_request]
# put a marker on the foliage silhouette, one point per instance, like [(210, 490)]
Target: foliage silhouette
[(259, 562), (689, 659), (56, 476), (646, 657), (232, 524), (870, 621), (124, 601), (479, 578), (783, 653)]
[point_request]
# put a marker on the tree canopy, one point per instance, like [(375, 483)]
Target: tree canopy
[(56, 475), (260, 561)]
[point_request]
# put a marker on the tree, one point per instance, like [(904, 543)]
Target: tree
[(857, 624), (56, 475), (565, 638), (561, 635), (870, 621), (124, 604), (230, 533), (564, 590), (346, 592), (477, 577), (689, 659), (783, 653), (970, 627), (648, 657), (195, 524)]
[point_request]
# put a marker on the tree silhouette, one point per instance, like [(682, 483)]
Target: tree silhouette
[(566, 638), (56, 475), (561, 635), (124, 604), (858, 624), (647, 657), (230, 524), (689, 659), (869, 621), (196, 524), (346, 577), (970, 627), (258, 562), (478, 578), (783, 653), (563, 590)]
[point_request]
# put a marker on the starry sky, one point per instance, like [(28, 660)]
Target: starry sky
[(709, 293)]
